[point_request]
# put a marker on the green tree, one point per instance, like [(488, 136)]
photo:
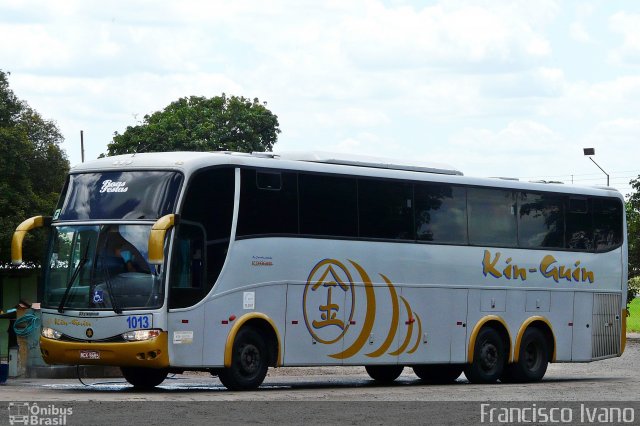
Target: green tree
[(197, 123), (32, 170), (633, 231)]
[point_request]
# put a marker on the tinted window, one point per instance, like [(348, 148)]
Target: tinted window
[(492, 218), (441, 213), (120, 195), (270, 181), (385, 209), (202, 235), (607, 223), (579, 228), (328, 205), (268, 203), (187, 269), (541, 220)]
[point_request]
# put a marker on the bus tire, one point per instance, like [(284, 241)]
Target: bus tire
[(533, 359), (489, 357), (144, 378), (438, 373), (249, 361), (384, 373)]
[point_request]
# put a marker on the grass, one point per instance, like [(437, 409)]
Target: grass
[(633, 321)]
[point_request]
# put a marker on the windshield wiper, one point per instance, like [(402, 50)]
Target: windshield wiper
[(76, 271), (112, 297)]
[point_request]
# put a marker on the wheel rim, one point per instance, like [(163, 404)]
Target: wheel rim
[(532, 356), (250, 359), (489, 356)]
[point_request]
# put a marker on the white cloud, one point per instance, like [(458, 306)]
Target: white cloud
[(366, 143), (101, 106), (614, 137), (358, 117), (523, 148), (488, 86), (443, 34), (578, 32), (32, 47), (626, 24), (521, 136)]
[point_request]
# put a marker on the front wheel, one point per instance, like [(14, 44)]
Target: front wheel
[(249, 361), (489, 357), (438, 373), (144, 378), (384, 373)]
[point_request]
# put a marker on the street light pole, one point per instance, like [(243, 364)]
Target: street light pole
[(592, 151)]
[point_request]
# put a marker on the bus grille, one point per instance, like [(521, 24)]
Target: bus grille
[(606, 325)]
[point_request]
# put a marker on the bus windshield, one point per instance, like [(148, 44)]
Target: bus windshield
[(101, 267), (119, 195)]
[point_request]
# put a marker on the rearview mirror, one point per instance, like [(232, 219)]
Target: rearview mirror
[(21, 231), (157, 236)]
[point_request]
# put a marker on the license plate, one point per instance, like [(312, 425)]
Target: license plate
[(89, 355)]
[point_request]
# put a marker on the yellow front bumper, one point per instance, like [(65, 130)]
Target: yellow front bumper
[(151, 353)]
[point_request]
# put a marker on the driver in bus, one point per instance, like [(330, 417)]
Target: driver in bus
[(129, 259), (126, 256)]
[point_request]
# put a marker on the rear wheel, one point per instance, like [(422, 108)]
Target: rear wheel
[(489, 357), (533, 359), (144, 378), (384, 373), (249, 361), (438, 373)]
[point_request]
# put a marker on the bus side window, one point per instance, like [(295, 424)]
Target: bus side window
[(540, 220), (328, 205), (385, 209), (492, 218), (607, 223), (270, 181), (579, 227), (268, 203), (441, 213)]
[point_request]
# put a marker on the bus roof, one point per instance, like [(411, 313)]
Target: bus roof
[(323, 162), (363, 161)]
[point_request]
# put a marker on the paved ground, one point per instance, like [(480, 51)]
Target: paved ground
[(327, 396), (609, 380)]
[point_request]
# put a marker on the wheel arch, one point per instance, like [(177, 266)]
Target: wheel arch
[(496, 322), (542, 324), (263, 323)]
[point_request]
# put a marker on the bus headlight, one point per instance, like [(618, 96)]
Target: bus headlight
[(138, 335), (50, 333)]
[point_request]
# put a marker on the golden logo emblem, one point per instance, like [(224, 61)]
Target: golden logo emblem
[(328, 301), (89, 332), (329, 305)]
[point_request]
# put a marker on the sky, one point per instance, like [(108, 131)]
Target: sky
[(512, 88)]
